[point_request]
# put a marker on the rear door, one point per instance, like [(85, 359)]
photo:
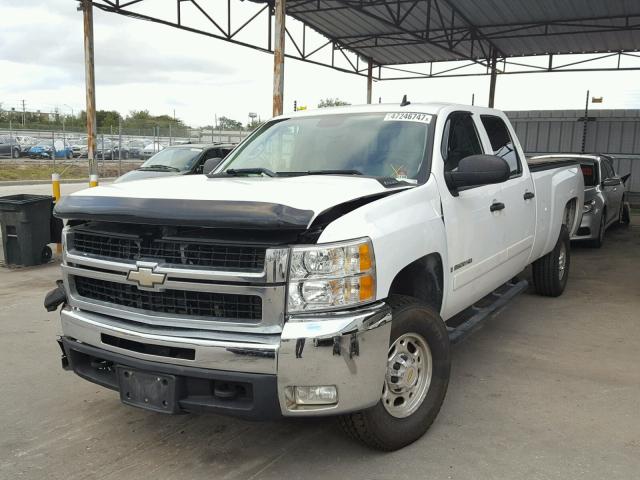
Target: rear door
[(518, 194), (475, 234)]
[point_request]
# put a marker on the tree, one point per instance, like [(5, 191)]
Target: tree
[(225, 123), (332, 102), (254, 124)]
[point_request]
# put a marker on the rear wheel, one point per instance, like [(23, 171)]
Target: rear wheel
[(550, 273), (415, 383), (15, 153)]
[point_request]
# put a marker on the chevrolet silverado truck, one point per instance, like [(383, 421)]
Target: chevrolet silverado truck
[(320, 270)]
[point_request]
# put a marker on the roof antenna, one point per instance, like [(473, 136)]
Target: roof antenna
[(405, 102)]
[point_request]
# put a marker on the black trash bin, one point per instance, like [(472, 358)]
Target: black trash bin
[(25, 225)]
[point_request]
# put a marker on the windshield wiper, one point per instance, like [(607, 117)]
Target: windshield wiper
[(160, 167), (237, 172)]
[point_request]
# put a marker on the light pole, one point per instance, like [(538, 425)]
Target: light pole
[(586, 119)]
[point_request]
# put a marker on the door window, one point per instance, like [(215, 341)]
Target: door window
[(502, 143), (460, 140)]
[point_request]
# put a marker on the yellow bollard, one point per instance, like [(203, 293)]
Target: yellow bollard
[(55, 185), (93, 180)]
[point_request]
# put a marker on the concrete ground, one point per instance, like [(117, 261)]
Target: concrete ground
[(548, 389)]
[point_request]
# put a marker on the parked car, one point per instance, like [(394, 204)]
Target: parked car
[(44, 149), (320, 270), (150, 150), (135, 147), (25, 142), (183, 159), (605, 201), (9, 147)]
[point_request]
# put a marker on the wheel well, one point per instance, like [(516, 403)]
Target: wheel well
[(570, 218), (421, 279)]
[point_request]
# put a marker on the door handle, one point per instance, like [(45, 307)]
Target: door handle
[(495, 206), (528, 195)]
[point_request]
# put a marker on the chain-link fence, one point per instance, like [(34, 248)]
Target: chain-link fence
[(23, 151)]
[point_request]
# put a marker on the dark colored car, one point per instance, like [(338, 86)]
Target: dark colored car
[(9, 147), (44, 149), (178, 160)]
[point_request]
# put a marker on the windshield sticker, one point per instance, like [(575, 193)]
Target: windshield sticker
[(408, 117)]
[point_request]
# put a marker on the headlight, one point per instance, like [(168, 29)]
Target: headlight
[(325, 277), (588, 206)]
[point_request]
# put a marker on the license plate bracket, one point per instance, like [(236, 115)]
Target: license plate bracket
[(148, 390)]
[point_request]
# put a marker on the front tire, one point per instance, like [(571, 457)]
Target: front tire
[(597, 242), (416, 381), (625, 218), (550, 273)]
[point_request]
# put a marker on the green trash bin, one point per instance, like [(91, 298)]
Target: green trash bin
[(25, 226)]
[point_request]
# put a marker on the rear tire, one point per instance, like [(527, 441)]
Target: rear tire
[(550, 273), (397, 424)]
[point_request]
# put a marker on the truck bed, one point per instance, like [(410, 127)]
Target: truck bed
[(540, 164)]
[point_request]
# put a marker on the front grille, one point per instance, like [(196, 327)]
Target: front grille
[(247, 308), (169, 250)]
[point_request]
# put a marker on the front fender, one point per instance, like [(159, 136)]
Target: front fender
[(403, 228)]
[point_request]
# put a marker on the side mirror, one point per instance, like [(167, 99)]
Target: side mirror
[(611, 182), (210, 164), (476, 170)]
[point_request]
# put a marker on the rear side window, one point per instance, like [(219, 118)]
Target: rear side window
[(501, 142), (460, 140)]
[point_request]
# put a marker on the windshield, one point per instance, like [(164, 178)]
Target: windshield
[(374, 144), (179, 158)]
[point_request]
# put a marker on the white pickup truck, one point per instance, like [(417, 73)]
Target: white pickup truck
[(321, 269)]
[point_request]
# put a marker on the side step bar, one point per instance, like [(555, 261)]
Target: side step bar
[(471, 319)]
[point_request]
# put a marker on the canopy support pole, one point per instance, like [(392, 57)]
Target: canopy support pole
[(492, 83), (369, 80), (278, 58), (90, 85)]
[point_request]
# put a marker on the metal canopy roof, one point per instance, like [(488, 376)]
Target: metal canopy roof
[(392, 32)]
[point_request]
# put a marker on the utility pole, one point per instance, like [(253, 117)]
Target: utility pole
[(90, 85), (278, 57), (584, 124), (24, 111)]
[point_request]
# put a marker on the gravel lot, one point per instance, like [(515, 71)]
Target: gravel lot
[(548, 389)]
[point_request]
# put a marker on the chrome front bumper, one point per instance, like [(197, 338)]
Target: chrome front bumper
[(344, 349)]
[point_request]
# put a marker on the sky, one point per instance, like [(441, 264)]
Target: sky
[(146, 66)]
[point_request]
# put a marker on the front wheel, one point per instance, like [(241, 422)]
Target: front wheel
[(416, 380), (551, 272), (599, 240), (625, 217)]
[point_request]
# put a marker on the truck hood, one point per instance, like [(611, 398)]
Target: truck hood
[(144, 174), (236, 202)]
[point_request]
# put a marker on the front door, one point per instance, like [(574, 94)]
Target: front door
[(613, 193), (475, 232)]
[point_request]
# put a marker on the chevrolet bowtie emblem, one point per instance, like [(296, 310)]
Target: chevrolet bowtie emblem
[(146, 277)]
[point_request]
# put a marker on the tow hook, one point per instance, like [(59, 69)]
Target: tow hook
[(55, 297)]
